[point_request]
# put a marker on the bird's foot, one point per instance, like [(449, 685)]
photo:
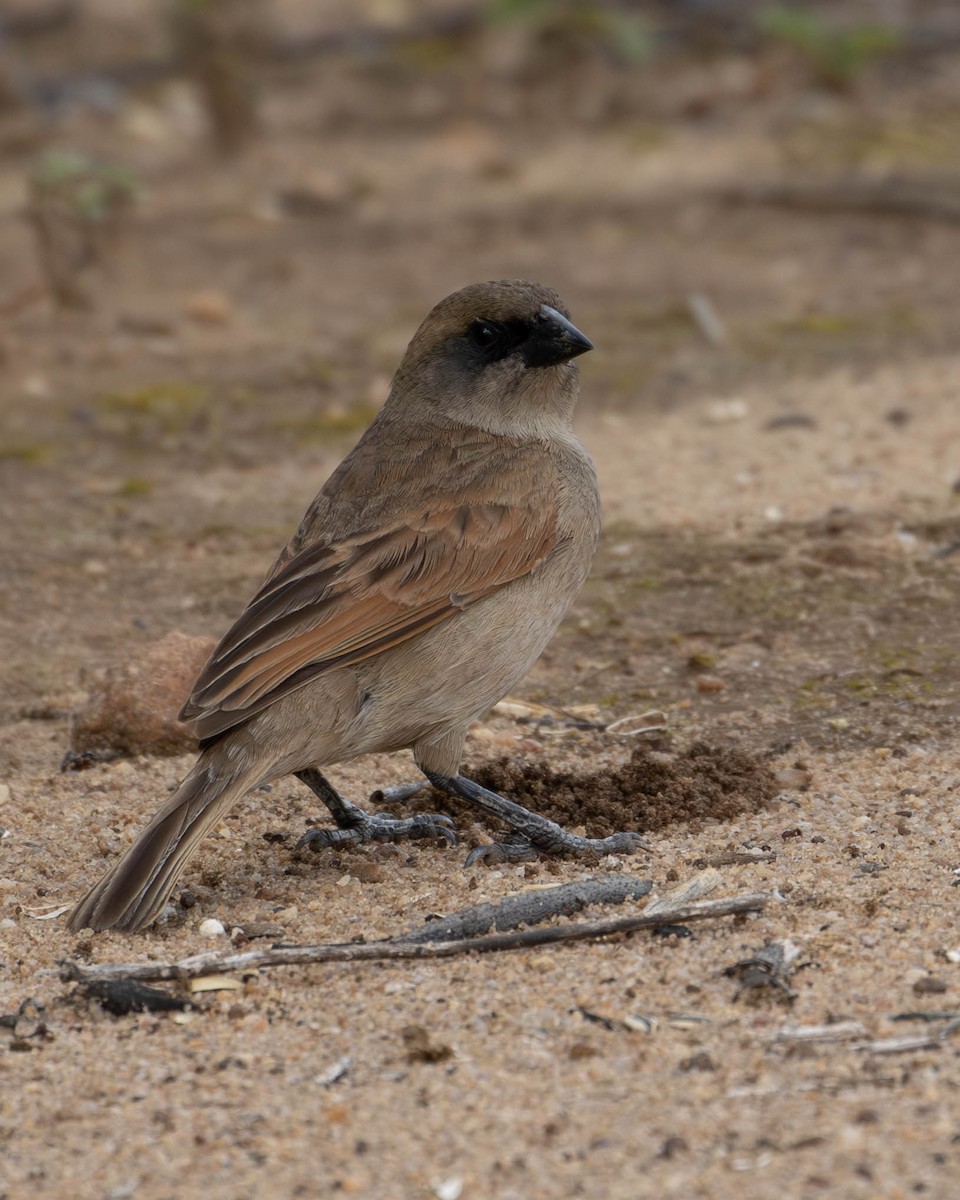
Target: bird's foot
[(514, 848), (356, 826), (372, 827), (533, 834)]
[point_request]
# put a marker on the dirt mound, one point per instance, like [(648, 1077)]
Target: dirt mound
[(649, 791)]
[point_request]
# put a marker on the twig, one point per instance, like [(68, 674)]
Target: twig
[(841, 1031), (531, 908), (707, 319), (253, 960), (906, 1045), (734, 858)]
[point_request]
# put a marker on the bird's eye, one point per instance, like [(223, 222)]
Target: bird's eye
[(484, 334)]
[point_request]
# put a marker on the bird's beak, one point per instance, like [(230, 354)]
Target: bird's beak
[(554, 340)]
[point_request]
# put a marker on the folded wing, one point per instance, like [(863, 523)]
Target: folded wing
[(341, 601)]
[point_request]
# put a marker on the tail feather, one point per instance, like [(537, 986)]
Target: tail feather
[(133, 892)]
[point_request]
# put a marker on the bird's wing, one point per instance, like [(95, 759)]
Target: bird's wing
[(340, 601)]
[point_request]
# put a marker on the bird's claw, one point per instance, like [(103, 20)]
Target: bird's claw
[(494, 853), (523, 849), (376, 828)]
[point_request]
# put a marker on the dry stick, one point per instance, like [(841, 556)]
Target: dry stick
[(734, 858), (531, 907), (252, 960)]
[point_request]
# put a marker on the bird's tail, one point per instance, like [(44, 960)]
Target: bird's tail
[(135, 889)]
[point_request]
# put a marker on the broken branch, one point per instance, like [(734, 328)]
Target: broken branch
[(254, 960)]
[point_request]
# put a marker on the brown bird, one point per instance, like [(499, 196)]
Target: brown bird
[(423, 582)]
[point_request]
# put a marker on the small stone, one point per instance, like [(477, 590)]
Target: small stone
[(4, 793), (710, 683), (208, 307), (701, 1061), (146, 324), (421, 1048), (794, 778), (320, 193), (211, 928), (37, 386), (791, 420), (368, 872), (930, 985), (723, 412), (542, 963), (449, 1189)]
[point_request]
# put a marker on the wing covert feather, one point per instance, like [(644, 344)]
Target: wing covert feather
[(335, 600)]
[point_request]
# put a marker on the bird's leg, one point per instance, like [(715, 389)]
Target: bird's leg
[(533, 833), (354, 825)]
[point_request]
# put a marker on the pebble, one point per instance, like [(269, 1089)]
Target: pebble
[(152, 324), (449, 1189), (930, 985), (542, 963), (710, 683), (208, 307), (211, 928), (794, 777), (723, 412), (792, 420), (368, 872)]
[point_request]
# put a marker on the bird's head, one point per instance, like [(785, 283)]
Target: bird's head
[(496, 356)]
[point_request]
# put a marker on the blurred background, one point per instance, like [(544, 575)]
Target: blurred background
[(265, 195), (221, 220)]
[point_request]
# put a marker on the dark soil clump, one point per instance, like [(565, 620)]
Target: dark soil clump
[(650, 791)]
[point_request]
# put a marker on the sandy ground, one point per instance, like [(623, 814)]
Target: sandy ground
[(776, 576)]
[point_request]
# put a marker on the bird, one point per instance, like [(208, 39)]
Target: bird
[(423, 582)]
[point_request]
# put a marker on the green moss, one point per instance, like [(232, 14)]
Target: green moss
[(839, 55), (135, 487), (644, 583), (31, 453), (428, 53), (315, 371), (159, 408)]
